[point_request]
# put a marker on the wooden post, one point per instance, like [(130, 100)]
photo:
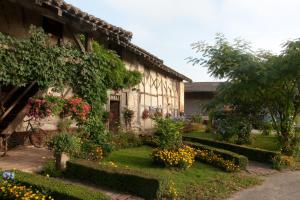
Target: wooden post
[(88, 42)]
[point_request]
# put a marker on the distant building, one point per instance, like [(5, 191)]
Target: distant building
[(197, 95)]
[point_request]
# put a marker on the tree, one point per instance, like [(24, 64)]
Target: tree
[(257, 82)]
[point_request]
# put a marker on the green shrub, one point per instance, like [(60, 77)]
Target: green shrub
[(267, 128), (122, 180), (103, 140), (282, 161), (49, 169), (64, 143), (168, 133), (193, 127), (123, 140), (239, 160), (91, 151), (197, 119), (64, 124), (58, 189), (229, 125), (255, 154), (149, 140)]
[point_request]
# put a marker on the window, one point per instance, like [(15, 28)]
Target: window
[(53, 27)]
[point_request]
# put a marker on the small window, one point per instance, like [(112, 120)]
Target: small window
[(53, 27)]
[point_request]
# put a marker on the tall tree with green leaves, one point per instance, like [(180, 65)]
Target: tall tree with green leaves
[(257, 82)]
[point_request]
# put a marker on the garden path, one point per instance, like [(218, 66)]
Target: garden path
[(257, 168), (25, 158), (278, 186)]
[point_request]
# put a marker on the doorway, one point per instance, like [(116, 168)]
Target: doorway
[(114, 116)]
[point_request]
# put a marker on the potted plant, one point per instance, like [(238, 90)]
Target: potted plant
[(63, 144), (128, 116), (145, 114)]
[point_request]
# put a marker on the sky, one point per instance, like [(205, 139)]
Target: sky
[(167, 28)]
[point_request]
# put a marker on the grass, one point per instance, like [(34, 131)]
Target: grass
[(201, 181), (258, 141), (57, 188), (268, 142)]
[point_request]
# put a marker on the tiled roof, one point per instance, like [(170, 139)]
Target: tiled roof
[(201, 86), (98, 24), (119, 35), (155, 61)]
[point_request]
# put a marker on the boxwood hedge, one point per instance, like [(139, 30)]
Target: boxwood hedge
[(251, 153), (123, 180), (240, 160), (57, 188)]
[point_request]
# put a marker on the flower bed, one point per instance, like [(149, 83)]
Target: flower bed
[(10, 189), (255, 154), (182, 158), (216, 160), (32, 184), (239, 160)]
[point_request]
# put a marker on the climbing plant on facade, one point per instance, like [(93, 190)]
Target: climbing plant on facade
[(90, 74)]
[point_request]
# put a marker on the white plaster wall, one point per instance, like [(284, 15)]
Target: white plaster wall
[(156, 90)]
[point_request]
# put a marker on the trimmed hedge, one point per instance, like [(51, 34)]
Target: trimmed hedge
[(58, 189), (240, 160), (255, 154), (122, 180)]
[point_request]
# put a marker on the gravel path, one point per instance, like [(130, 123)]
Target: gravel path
[(279, 186)]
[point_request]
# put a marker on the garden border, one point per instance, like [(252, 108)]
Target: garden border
[(57, 188), (122, 180), (251, 153), (237, 159)]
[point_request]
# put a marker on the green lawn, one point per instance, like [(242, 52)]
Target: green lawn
[(270, 142), (201, 181), (258, 141)]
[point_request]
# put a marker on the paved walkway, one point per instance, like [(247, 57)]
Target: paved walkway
[(279, 186), (260, 169), (25, 158)]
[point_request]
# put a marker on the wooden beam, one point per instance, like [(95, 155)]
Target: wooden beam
[(17, 101), (88, 42), (76, 38)]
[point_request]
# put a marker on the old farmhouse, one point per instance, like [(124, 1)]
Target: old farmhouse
[(162, 88)]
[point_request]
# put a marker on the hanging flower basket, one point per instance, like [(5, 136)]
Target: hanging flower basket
[(38, 108), (145, 114)]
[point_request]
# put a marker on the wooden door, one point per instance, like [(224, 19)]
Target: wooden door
[(114, 118)]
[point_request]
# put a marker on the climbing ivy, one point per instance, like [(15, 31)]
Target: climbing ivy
[(89, 74)]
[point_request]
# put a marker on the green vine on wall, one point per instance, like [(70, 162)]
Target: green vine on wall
[(89, 74)]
